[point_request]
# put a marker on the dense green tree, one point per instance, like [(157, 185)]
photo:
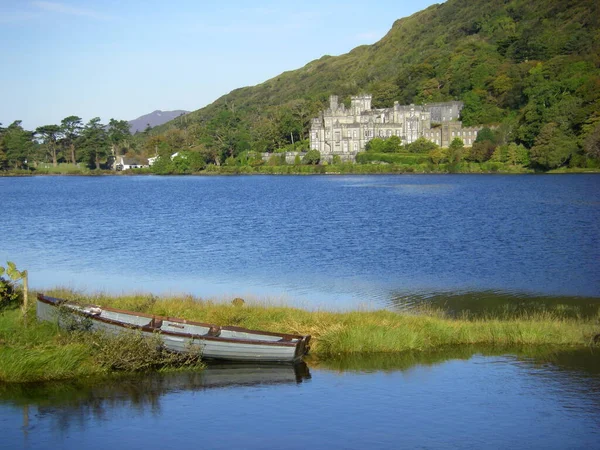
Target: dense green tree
[(312, 157), (95, 143), (153, 144), (392, 144), (18, 145), (486, 134), (3, 158), (517, 154), (289, 128), (437, 155), (118, 135), (196, 162), (553, 147), (591, 144), (481, 151), (302, 112), (454, 153), (384, 93), (421, 145), (512, 154), (49, 135), (163, 165), (70, 128), (375, 145), (175, 139), (186, 162), (484, 146), (227, 134), (264, 134)]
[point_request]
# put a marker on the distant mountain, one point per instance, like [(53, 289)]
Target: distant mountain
[(153, 119)]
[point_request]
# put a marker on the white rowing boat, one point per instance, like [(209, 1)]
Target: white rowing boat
[(180, 335)]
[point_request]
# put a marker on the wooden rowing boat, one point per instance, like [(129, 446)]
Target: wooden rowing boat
[(180, 335)]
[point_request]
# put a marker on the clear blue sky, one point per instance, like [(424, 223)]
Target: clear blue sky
[(125, 58)]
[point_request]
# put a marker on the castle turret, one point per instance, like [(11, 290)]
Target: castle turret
[(360, 103), (333, 102)]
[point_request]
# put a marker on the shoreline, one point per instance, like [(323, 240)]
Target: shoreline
[(36, 352), (297, 171)]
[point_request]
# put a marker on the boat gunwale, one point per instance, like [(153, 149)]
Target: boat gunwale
[(286, 343)]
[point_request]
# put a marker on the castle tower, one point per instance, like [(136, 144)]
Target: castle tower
[(333, 102), (360, 103)]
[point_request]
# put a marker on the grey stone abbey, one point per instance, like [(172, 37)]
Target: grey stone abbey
[(345, 131)]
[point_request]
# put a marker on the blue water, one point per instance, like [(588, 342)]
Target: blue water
[(494, 402), (318, 241), (327, 242)]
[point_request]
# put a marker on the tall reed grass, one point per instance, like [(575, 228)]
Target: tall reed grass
[(336, 333), (42, 351)]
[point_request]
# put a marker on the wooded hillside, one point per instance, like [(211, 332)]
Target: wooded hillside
[(530, 68), (522, 62)]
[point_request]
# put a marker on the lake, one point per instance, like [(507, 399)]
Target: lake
[(334, 242), (460, 400)]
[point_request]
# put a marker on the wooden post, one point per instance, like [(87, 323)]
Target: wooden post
[(25, 291)]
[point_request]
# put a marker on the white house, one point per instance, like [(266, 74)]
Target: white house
[(125, 163)]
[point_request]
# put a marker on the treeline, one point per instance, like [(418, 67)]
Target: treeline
[(528, 70), (93, 145)]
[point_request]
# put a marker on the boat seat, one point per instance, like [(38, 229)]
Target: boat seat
[(214, 332), (156, 323)]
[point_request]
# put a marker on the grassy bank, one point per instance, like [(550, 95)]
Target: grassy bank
[(319, 169), (42, 351), (343, 168), (32, 351)]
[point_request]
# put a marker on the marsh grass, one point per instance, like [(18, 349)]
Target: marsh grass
[(341, 333), (32, 351), (42, 351)]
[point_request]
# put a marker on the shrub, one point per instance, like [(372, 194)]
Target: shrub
[(421, 145), (375, 145), (163, 166), (312, 157), (276, 159), (133, 352), (9, 296)]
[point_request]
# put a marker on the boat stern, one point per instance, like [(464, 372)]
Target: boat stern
[(302, 347)]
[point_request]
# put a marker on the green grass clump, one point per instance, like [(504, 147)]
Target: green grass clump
[(41, 351), (45, 363), (343, 333)]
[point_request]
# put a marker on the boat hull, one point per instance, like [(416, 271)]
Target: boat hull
[(178, 335)]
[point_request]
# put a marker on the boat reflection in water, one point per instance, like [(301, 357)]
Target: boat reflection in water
[(68, 403), (223, 375), (354, 400)]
